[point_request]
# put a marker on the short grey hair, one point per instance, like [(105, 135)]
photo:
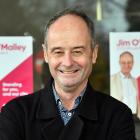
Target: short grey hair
[(78, 11), (126, 52)]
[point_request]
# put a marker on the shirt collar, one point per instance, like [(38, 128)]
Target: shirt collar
[(124, 77), (88, 107), (77, 100)]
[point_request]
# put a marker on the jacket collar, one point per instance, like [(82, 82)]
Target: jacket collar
[(47, 108), (88, 106)]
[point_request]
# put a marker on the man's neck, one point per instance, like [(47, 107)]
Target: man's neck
[(127, 75), (68, 96)]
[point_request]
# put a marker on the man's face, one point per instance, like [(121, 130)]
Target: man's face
[(126, 63), (69, 53)]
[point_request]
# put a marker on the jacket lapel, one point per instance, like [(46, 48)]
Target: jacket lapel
[(88, 106), (73, 130), (87, 110), (52, 129), (47, 113)]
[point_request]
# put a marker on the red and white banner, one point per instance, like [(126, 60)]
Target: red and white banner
[(16, 67)]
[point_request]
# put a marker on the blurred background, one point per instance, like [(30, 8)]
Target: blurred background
[(28, 18)]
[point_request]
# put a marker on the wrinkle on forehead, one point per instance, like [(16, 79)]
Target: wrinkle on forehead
[(67, 23), (126, 57)]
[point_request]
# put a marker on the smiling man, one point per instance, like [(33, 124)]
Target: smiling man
[(68, 108), (126, 63), (68, 51)]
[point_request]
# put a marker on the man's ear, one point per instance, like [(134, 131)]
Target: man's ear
[(95, 53), (45, 53)]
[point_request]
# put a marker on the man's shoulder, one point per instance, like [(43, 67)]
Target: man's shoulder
[(24, 102), (113, 113), (115, 75), (104, 100), (110, 104)]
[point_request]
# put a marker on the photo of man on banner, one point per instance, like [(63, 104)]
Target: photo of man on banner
[(124, 86)]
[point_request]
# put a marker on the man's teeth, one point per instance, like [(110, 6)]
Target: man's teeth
[(67, 72)]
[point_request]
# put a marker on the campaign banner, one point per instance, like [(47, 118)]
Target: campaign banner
[(125, 68), (16, 67)]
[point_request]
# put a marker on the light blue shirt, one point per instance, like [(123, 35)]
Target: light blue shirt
[(65, 114)]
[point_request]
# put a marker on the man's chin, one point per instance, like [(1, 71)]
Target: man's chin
[(69, 86)]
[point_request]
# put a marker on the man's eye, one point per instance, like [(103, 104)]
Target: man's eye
[(58, 52), (78, 52)]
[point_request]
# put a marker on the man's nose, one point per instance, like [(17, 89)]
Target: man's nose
[(67, 59)]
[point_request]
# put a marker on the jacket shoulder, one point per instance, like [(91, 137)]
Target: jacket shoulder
[(22, 103), (110, 104)]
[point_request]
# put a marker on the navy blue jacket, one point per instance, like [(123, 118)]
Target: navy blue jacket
[(35, 117)]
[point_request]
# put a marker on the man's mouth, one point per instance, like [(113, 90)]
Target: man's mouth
[(68, 71)]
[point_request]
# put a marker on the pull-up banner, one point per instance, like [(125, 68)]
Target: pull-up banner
[(125, 69), (16, 67)]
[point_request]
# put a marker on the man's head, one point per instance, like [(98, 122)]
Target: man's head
[(77, 11), (126, 62), (68, 50)]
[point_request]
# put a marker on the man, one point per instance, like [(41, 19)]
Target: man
[(123, 85), (68, 108)]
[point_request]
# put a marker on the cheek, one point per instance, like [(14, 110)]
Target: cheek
[(128, 67), (53, 64), (131, 66), (124, 66), (85, 63)]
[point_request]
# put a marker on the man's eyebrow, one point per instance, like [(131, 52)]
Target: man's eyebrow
[(55, 48), (79, 47), (60, 48)]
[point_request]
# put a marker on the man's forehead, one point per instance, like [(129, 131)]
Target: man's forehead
[(126, 58), (67, 20), (126, 55), (68, 28)]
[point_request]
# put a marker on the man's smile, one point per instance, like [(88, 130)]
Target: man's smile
[(68, 71)]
